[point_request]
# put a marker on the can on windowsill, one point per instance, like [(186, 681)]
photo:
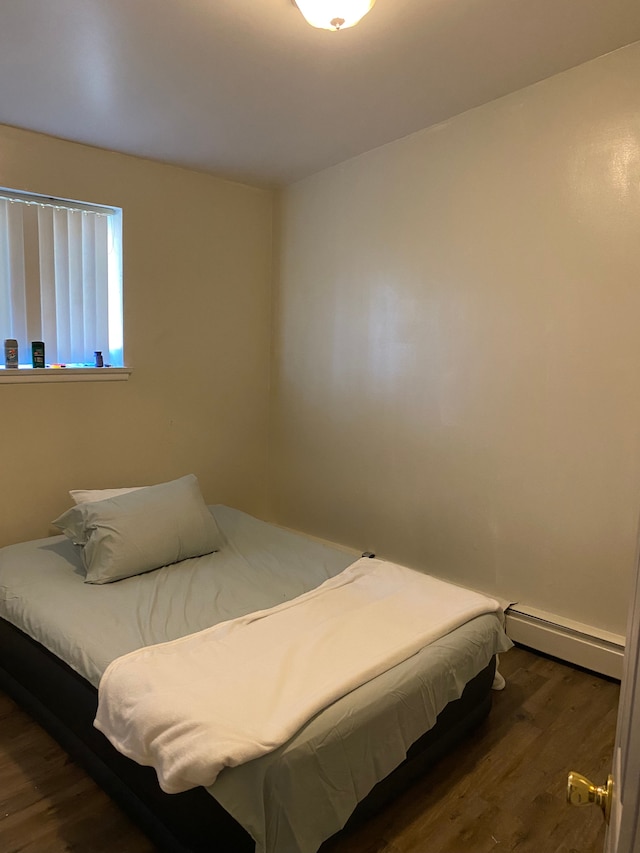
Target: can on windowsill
[(10, 352)]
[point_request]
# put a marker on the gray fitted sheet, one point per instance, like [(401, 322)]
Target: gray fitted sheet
[(294, 798)]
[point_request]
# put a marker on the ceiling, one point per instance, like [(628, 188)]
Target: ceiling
[(248, 90)]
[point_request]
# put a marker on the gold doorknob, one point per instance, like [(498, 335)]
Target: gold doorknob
[(582, 792)]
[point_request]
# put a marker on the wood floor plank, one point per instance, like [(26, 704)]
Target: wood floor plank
[(502, 791)]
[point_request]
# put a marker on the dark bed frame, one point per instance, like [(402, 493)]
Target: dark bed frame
[(64, 703)]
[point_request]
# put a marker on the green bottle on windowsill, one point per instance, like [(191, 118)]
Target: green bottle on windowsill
[(37, 353)]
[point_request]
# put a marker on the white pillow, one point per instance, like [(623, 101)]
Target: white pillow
[(144, 529), (80, 496)]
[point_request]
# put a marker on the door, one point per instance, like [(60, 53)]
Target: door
[(623, 835)]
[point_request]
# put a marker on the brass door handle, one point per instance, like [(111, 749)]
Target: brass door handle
[(582, 792)]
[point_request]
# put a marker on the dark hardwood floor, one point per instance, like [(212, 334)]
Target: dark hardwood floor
[(502, 790)]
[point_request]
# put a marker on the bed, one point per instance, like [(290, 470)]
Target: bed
[(58, 634)]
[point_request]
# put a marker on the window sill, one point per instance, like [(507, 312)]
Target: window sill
[(24, 375)]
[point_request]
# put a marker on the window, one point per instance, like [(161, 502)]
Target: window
[(61, 278)]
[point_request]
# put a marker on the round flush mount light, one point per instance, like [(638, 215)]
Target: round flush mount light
[(333, 14)]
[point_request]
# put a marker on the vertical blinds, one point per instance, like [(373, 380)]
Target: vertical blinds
[(54, 278)]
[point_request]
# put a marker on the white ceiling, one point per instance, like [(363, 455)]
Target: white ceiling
[(248, 90)]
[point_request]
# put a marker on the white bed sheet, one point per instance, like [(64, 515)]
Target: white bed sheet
[(303, 792)]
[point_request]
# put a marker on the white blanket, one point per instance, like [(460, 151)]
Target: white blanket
[(242, 688)]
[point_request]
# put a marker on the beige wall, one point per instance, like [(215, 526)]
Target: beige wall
[(197, 274), (457, 347)]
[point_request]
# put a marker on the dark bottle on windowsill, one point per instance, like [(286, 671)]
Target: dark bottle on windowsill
[(37, 353)]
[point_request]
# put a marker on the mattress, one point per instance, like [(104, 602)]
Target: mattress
[(42, 592)]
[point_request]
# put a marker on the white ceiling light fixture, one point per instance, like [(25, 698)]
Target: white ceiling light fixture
[(334, 14)]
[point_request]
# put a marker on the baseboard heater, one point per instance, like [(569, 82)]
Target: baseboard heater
[(574, 642)]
